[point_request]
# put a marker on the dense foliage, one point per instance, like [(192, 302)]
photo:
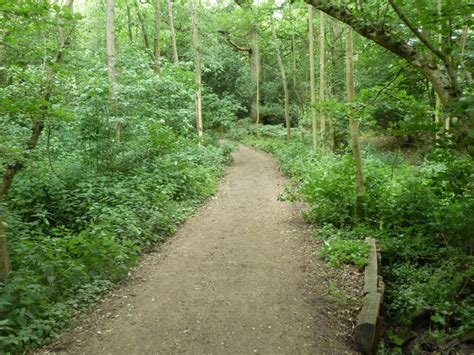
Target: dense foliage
[(100, 160), (421, 212), (84, 206)]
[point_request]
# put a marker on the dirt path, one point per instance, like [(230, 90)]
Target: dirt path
[(238, 278)]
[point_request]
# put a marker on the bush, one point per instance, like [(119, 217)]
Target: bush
[(422, 214), (339, 251), (75, 232)]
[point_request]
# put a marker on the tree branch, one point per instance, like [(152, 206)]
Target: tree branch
[(233, 44), (377, 33), (444, 83), (418, 33)]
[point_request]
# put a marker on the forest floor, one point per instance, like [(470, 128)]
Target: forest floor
[(239, 277)]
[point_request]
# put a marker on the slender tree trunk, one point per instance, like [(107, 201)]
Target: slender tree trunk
[(157, 37), (197, 64), (311, 77), (129, 22), (284, 83), (257, 85), (295, 83), (174, 48), (111, 61), (462, 46), (254, 63), (5, 266), (354, 127), (146, 40), (322, 79), (439, 112), (13, 168), (332, 89), (62, 30), (3, 71)]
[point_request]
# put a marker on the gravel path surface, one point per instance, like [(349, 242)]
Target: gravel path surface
[(239, 277)]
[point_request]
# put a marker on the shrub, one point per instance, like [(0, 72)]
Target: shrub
[(422, 214), (341, 251)]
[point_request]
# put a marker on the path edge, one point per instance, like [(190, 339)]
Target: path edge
[(368, 331)]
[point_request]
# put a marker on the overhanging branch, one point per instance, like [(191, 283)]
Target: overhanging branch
[(233, 44), (417, 32)]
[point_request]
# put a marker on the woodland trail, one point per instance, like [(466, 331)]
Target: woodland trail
[(238, 278)]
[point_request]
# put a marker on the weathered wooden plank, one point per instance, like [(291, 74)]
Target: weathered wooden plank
[(371, 273), (366, 330)]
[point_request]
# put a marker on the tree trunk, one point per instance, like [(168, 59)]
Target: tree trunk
[(13, 168), (311, 78), (3, 71), (5, 266), (142, 22), (333, 89), (129, 22), (62, 30), (284, 83), (111, 61), (253, 59), (354, 127), (439, 113), (174, 48), (295, 82), (157, 37), (322, 80), (257, 84), (197, 64)]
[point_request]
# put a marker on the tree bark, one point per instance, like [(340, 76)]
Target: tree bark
[(3, 71), (157, 37), (257, 84), (5, 266), (129, 22), (253, 59), (322, 79), (311, 78), (284, 83), (13, 168), (143, 27), (197, 64), (254, 62), (354, 127), (174, 48), (62, 30), (111, 63)]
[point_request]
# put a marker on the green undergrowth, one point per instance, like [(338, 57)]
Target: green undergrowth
[(422, 214), (76, 231)]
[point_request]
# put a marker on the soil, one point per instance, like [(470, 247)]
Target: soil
[(239, 277)]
